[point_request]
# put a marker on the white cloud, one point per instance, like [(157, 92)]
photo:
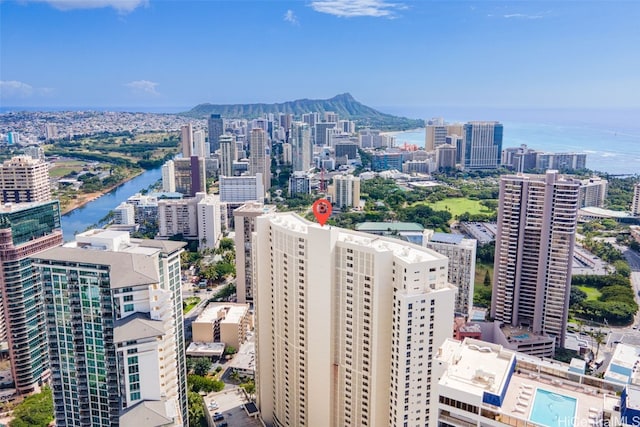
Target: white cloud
[(354, 8), (15, 89), (143, 87), (291, 17), (522, 16), (122, 6)]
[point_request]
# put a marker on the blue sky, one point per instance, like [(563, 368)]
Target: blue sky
[(163, 53)]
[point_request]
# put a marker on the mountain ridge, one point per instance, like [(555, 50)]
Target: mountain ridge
[(344, 105)]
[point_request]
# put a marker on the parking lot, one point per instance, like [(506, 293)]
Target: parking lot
[(229, 403)]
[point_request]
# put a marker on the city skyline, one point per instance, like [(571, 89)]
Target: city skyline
[(493, 54)]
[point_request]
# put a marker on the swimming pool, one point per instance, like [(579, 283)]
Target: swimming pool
[(552, 409)]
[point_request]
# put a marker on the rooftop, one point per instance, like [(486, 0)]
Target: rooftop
[(233, 312), (151, 414), (388, 226), (452, 239), (137, 326), (206, 349)]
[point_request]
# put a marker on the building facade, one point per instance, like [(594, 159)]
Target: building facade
[(24, 179), (26, 230), (114, 323), (635, 202), (190, 176), (462, 265), (301, 146), (245, 225), (260, 156), (482, 145), (537, 219), (593, 192), (346, 325), (216, 128), (345, 191), (227, 145)]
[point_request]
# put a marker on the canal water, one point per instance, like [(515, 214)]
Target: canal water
[(79, 219)]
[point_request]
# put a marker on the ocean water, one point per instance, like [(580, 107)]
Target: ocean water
[(614, 149)]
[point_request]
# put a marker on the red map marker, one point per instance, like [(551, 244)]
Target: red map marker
[(321, 210)]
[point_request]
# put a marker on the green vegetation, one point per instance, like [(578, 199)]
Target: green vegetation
[(34, 411), (459, 205), (197, 416), (199, 365), (482, 286), (199, 383), (224, 293), (620, 192), (615, 303), (189, 303)]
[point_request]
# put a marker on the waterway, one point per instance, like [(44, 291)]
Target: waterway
[(80, 219)]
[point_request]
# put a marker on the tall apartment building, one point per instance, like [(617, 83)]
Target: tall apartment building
[(345, 191), (25, 230), (227, 145), (245, 225), (241, 189), (537, 218), (482, 145), (169, 176), (562, 161), (124, 214), (462, 265), (24, 179), (190, 176), (299, 183), (436, 134), (260, 156), (196, 217), (593, 192), (186, 140), (200, 144), (216, 129), (114, 323), (301, 146), (320, 132), (635, 202), (347, 325)]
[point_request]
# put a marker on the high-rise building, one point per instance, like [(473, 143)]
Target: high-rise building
[(186, 140), (24, 179), (260, 156), (25, 230), (482, 145), (345, 191), (241, 189), (462, 265), (216, 129), (227, 145), (635, 202), (114, 322), (124, 214), (301, 146), (537, 218), (446, 157), (299, 183), (245, 225), (565, 162), (347, 325), (169, 176), (321, 138), (287, 153), (436, 133), (190, 176), (593, 192), (200, 145)]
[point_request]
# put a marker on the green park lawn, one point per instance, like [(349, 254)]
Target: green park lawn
[(459, 205), (190, 302), (592, 293)]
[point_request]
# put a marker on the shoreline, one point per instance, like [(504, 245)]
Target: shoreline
[(85, 198)]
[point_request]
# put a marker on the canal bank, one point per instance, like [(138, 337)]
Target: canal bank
[(90, 213)]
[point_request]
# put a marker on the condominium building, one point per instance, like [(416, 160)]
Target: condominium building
[(462, 265), (593, 192), (483, 384), (260, 156), (537, 218), (245, 225), (635, 202), (24, 179), (216, 129), (227, 154), (299, 183), (25, 230), (563, 161), (196, 217), (224, 322), (347, 325), (436, 134), (169, 176), (124, 214), (241, 189), (345, 191), (190, 176), (482, 145), (301, 146), (114, 322), (186, 140)]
